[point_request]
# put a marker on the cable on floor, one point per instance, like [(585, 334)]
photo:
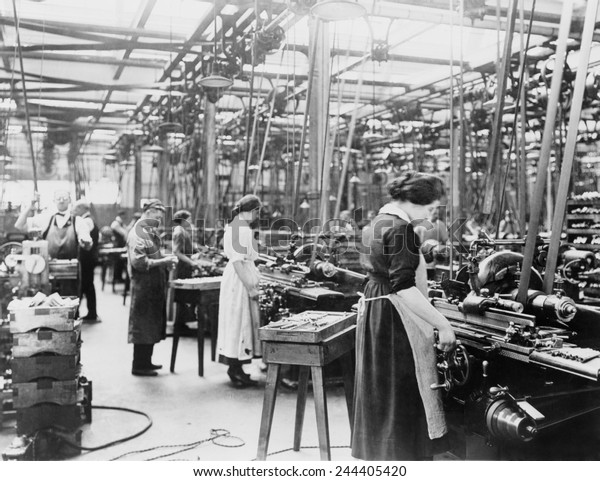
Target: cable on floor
[(302, 447), (111, 443), (214, 434)]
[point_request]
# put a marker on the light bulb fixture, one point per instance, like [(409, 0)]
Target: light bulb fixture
[(110, 159), (215, 82), (337, 10), (126, 163), (305, 204), (155, 149), (355, 179), (170, 128)]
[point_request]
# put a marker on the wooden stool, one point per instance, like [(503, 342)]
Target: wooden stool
[(203, 294), (311, 357)]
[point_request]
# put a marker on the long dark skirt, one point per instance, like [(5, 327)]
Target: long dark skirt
[(389, 419)]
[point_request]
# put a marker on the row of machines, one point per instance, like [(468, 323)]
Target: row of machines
[(521, 370)]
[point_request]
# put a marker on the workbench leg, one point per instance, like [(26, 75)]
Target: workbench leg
[(213, 322), (348, 373), (304, 372), (200, 336), (321, 411), (174, 350), (266, 419)]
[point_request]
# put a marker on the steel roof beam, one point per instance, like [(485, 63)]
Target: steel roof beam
[(61, 57), (77, 29)]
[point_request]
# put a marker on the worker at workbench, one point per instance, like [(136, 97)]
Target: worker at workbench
[(239, 315), (66, 234), (397, 416), (148, 272), (183, 248)]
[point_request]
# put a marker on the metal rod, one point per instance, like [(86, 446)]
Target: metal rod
[(349, 137), (522, 158), (494, 149), (311, 70), (27, 118), (542, 173), (267, 131), (515, 120), (569, 151)]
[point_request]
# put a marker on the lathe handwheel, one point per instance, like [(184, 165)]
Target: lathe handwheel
[(460, 366)]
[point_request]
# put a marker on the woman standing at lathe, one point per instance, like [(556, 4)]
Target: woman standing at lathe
[(397, 416), (239, 314)]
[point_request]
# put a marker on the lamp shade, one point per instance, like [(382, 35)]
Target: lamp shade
[(155, 149), (170, 127), (337, 10), (215, 81), (355, 179)]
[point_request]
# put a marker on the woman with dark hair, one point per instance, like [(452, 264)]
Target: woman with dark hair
[(239, 315), (397, 416)]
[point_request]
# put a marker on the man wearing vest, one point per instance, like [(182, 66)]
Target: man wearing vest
[(66, 234), (88, 260)]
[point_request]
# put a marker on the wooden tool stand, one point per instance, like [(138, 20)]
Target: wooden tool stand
[(203, 294), (311, 345), (49, 394)]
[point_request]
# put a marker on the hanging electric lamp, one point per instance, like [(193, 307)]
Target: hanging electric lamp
[(337, 10), (355, 179), (214, 80)]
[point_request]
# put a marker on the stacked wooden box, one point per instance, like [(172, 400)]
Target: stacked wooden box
[(5, 392), (50, 396)]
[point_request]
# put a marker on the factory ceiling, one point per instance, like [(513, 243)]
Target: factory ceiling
[(97, 70)]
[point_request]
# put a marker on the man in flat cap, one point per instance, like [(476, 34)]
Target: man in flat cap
[(148, 272)]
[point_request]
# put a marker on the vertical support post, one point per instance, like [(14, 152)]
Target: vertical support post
[(210, 164), (137, 178), (162, 170), (318, 107)]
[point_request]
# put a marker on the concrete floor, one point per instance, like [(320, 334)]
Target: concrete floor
[(184, 407)]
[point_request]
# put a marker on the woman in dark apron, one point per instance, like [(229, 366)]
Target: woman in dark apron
[(390, 419)]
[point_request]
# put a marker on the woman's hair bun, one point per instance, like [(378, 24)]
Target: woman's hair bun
[(416, 187)]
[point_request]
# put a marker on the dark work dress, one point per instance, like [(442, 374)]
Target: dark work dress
[(389, 419)]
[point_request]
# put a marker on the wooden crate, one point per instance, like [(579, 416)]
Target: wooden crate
[(59, 368), (55, 318), (42, 416), (6, 409), (66, 343), (63, 393)]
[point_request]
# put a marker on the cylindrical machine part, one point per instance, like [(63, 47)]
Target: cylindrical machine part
[(510, 305), (586, 257), (474, 304), (554, 307), (505, 421)]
